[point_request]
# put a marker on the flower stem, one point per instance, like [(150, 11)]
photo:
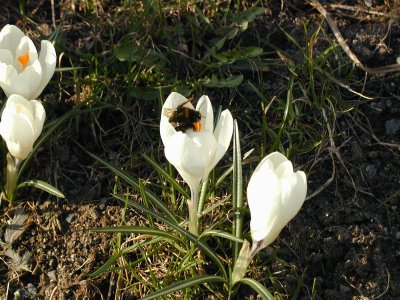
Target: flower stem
[(12, 174), (193, 204)]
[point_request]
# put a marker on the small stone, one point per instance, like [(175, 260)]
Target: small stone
[(370, 170), (392, 126), (52, 276), (70, 218), (31, 289), (373, 154), (21, 294)]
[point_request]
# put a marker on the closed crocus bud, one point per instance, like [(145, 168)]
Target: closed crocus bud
[(275, 195), (22, 71), (195, 151), (21, 124)]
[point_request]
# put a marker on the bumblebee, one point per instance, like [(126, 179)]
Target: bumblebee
[(183, 118)]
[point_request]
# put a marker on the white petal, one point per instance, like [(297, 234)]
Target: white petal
[(207, 115), (284, 169), (7, 72), (174, 100), (191, 154), (40, 116), (262, 197), (294, 190), (223, 134), (10, 37), (23, 83), (25, 46), (48, 60), (276, 158), (19, 151), (6, 57), (275, 195)]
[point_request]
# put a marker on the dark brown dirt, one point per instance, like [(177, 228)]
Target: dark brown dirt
[(345, 241)]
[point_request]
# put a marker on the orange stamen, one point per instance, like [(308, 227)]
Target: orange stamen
[(196, 126), (23, 59)]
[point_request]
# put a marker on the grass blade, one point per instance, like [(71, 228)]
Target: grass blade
[(237, 192), (183, 285), (135, 184), (137, 229), (166, 175), (203, 246), (220, 233), (43, 186), (258, 287), (105, 268)]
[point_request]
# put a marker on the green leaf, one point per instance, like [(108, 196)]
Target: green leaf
[(105, 268), (183, 285), (249, 15), (138, 230), (43, 186), (241, 264), (166, 175), (237, 191), (203, 246), (135, 184), (128, 53), (258, 287), (232, 56), (230, 82), (220, 233)]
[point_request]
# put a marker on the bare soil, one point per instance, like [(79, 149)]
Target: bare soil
[(346, 239)]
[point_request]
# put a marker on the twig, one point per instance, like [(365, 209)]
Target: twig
[(346, 48)]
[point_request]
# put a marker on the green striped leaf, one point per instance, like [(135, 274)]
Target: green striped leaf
[(183, 285)]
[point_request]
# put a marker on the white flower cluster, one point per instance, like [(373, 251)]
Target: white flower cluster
[(23, 75)]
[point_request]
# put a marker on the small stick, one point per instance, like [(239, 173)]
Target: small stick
[(346, 48)]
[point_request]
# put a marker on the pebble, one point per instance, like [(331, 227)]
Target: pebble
[(392, 126), (31, 289), (373, 154), (52, 276), (370, 170), (70, 218)]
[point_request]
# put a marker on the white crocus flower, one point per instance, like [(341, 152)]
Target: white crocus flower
[(275, 195), (195, 153), (22, 71), (21, 124)]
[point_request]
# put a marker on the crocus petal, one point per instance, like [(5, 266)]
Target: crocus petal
[(223, 134), (190, 154), (6, 57), (40, 116), (25, 47), (296, 187), (10, 37), (275, 195), (21, 124), (276, 158), (207, 115), (23, 83), (48, 60), (21, 141)]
